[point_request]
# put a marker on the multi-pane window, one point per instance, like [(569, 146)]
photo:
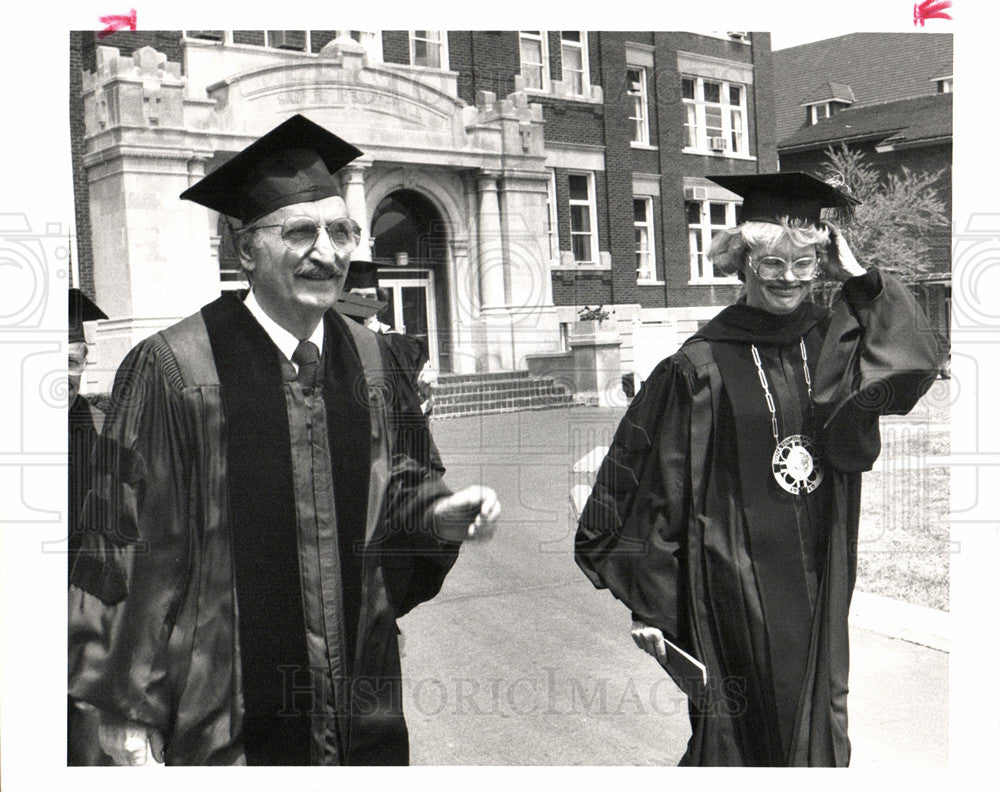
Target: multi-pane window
[(645, 257), (582, 218), (639, 109), (705, 219), (574, 61), (534, 60), (429, 48), (716, 114), (551, 220)]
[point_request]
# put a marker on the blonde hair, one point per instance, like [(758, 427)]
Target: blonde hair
[(729, 248)]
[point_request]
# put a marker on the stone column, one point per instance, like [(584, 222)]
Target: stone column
[(494, 314), (353, 181), (491, 264)]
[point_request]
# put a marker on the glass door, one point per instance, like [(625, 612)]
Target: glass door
[(412, 310)]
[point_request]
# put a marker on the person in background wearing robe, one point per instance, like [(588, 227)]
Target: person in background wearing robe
[(85, 422), (725, 515), (255, 525)]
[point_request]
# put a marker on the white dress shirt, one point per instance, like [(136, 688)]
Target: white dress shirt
[(282, 339)]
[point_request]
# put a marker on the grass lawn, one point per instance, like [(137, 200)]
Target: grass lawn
[(904, 538)]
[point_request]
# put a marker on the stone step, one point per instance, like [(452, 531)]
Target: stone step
[(492, 392)]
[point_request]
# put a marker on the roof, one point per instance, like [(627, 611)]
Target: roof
[(907, 121), (877, 68)]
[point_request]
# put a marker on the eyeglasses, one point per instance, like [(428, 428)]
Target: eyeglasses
[(774, 267), (301, 233)]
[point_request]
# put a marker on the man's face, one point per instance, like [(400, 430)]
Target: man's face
[(298, 282), (77, 361)]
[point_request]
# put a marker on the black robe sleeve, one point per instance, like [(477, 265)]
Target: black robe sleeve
[(415, 561), (632, 530), (135, 527), (879, 357)]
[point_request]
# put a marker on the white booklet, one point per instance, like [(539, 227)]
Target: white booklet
[(687, 671)]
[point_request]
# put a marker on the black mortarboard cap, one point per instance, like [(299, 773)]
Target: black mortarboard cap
[(293, 163), (357, 306), (361, 275), (768, 196), (81, 309)]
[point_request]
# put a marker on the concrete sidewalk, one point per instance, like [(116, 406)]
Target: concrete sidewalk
[(520, 661)]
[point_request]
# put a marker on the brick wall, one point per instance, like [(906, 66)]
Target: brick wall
[(396, 46), (253, 37), (491, 57), (81, 193), (581, 288), (674, 165), (618, 215)]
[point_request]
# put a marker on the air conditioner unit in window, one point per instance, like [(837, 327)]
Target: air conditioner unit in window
[(717, 143), (283, 39), (695, 194)]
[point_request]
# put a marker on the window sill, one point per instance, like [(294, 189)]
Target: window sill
[(643, 146), (723, 154), (714, 282), (580, 266), (649, 282)]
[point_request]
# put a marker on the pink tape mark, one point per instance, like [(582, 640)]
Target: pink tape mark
[(117, 22), (930, 9)]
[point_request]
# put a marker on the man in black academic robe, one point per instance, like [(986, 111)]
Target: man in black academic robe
[(256, 524)]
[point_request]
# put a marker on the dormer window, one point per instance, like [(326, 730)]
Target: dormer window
[(817, 112)]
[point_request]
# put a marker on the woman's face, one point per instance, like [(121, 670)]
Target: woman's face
[(784, 294)]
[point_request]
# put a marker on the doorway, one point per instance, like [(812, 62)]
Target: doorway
[(409, 248)]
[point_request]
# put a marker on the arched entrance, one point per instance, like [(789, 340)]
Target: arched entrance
[(409, 246)]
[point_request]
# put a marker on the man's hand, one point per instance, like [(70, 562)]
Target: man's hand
[(471, 512), (842, 264), (130, 743), (649, 639)]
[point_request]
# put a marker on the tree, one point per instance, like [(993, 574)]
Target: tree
[(898, 217)]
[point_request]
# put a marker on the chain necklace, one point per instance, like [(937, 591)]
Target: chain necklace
[(796, 464)]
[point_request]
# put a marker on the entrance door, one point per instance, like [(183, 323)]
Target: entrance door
[(412, 309)]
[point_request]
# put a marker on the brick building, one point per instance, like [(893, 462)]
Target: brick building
[(889, 96), (510, 178)]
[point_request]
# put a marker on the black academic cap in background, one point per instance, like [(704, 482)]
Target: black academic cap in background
[(81, 309), (769, 196), (361, 275), (293, 163), (357, 306)]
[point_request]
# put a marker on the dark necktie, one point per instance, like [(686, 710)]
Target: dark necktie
[(306, 357)]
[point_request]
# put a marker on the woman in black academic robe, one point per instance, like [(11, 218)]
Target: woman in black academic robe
[(730, 529)]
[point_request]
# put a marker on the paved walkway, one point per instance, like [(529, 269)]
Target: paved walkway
[(520, 661)]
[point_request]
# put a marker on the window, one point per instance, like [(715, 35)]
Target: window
[(639, 111), (574, 61), (534, 60), (817, 112), (429, 48), (551, 220), (582, 218), (716, 115), (945, 85), (645, 256), (704, 220)]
